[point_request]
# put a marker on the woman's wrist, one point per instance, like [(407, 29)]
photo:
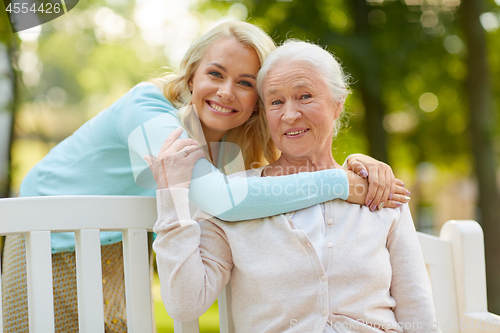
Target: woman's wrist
[(173, 204), (358, 188)]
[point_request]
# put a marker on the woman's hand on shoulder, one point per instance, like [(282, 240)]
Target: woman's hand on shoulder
[(173, 167), (379, 189)]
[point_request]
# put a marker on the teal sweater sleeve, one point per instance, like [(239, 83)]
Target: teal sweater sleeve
[(244, 198)]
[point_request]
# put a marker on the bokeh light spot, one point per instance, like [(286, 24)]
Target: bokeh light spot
[(428, 102), (489, 21)]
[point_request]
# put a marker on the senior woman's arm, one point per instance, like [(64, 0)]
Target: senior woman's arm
[(410, 285), (194, 262)]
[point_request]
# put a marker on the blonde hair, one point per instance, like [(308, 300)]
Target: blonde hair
[(253, 137)]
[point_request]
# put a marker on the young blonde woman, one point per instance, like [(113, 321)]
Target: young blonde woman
[(105, 157)]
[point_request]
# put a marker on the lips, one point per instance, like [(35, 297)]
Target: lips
[(220, 108), (296, 131)]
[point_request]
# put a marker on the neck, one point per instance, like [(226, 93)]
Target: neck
[(212, 136), (287, 165)]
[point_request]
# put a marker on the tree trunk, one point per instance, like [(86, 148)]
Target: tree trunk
[(8, 86), (13, 47), (481, 110), (369, 85)]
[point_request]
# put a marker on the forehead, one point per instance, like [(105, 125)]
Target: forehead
[(292, 74), (230, 51)]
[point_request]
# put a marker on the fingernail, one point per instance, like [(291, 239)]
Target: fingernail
[(390, 196), (407, 198), (398, 204), (368, 204), (373, 208), (381, 205), (403, 184), (363, 173), (408, 193)]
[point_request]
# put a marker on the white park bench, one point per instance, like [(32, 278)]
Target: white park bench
[(455, 262)]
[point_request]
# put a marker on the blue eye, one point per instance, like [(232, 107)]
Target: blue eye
[(276, 102), (305, 96), (215, 73), (247, 84)]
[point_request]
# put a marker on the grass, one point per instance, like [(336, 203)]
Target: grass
[(209, 321)]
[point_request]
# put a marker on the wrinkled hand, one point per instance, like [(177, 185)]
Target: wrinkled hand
[(383, 188), (173, 167)]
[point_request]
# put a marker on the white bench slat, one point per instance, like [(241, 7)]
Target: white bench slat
[(39, 278), (137, 281), (1, 307), (186, 326), (467, 242), (468, 257), (68, 213), (226, 323), (445, 300), (436, 252), (89, 281), (437, 255)]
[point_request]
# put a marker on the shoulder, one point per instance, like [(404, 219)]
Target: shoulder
[(146, 91), (248, 173), (361, 212), (145, 103)]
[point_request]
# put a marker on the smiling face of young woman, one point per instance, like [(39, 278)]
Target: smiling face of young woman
[(224, 87)]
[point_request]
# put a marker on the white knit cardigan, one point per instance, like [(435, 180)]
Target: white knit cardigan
[(372, 277)]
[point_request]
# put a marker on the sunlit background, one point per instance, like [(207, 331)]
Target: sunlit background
[(407, 58)]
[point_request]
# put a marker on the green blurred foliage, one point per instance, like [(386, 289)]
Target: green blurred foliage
[(410, 50)]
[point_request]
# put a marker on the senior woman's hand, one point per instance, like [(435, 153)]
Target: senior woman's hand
[(173, 167), (384, 190)]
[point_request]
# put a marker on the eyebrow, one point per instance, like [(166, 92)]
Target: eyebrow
[(295, 86), (225, 70), (271, 92)]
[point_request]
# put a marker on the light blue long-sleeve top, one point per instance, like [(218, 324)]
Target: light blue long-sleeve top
[(105, 157)]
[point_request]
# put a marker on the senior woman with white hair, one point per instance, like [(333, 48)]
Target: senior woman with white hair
[(333, 267)]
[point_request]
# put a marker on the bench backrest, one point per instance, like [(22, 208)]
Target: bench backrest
[(455, 263), (36, 217)]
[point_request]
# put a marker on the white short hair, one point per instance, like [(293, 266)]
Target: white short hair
[(325, 63)]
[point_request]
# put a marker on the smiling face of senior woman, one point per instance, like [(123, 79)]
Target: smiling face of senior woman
[(300, 111)]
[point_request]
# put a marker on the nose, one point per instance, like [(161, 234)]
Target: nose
[(226, 91), (291, 112)]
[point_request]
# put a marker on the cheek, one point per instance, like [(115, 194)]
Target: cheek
[(273, 123), (250, 100)]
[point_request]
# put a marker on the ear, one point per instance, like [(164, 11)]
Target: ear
[(190, 85)]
